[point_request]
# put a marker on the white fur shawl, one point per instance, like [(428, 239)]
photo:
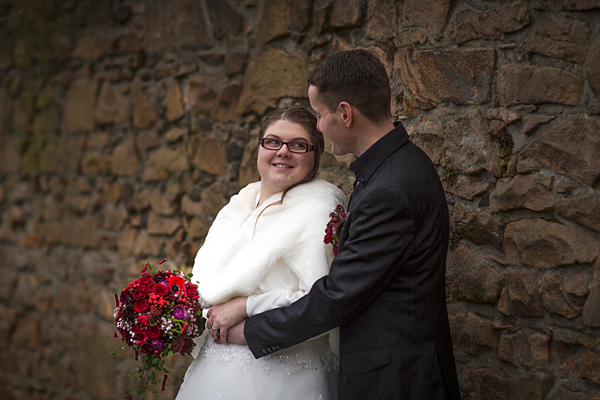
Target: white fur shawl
[(239, 250)]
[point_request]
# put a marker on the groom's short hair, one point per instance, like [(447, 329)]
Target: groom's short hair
[(357, 77)]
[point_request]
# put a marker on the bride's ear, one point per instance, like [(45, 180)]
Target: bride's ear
[(347, 113)]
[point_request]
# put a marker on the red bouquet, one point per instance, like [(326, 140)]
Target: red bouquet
[(334, 226), (158, 315)]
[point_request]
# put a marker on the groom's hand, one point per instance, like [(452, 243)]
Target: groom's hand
[(235, 334)]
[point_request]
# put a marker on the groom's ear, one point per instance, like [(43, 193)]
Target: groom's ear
[(347, 113)]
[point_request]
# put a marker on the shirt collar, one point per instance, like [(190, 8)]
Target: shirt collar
[(365, 165)]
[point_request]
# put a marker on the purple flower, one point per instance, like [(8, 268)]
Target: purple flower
[(180, 313), (157, 345)]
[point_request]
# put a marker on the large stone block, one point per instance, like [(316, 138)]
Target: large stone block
[(164, 162), (576, 157), (526, 348), (467, 146), (270, 76), (522, 289), (461, 76), (469, 23), (592, 65), (156, 38), (80, 104), (381, 19), (190, 26), (112, 107), (227, 22), (90, 48), (248, 170), (583, 209), (472, 333), (472, 278), (560, 37), (591, 309), (158, 225), (144, 113), (209, 154), (566, 5), (281, 18), (528, 84), (125, 160), (555, 300), (430, 15), (478, 227), (347, 14), (532, 192), (543, 244), (466, 187), (174, 103), (591, 367)]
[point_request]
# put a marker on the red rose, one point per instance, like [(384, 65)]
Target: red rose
[(143, 319), (139, 293), (145, 281), (140, 305), (153, 332), (191, 290), (160, 289)]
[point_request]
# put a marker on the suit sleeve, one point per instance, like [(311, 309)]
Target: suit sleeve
[(379, 233)]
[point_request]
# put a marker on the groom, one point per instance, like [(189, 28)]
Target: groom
[(386, 287)]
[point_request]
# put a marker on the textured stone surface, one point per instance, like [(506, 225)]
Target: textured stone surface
[(591, 367), (467, 147), (472, 333), (560, 37), (113, 107), (461, 76), (479, 228), (163, 162), (227, 22), (174, 103), (532, 121), (209, 154), (522, 290), (90, 48), (189, 24), (471, 278), (591, 309), (574, 157), (346, 14), (544, 244), (526, 348), (125, 160), (583, 209), (80, 104), (533, 192), (430, 15), (592, 65), (527, 84), (144, 114), (281, 18), (568, 5), (381, 19), (469, 23), (555, 301), (270, 76)]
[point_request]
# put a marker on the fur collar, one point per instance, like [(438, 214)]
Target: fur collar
[(241, 247)]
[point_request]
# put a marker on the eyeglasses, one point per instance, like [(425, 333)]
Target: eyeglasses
[(294, 147)]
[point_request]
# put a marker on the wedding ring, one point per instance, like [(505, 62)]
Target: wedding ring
[(212, 328)]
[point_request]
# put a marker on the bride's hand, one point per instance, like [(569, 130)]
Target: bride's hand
[(223, 316)]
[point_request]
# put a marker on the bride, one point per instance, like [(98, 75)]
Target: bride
[(265, 249)]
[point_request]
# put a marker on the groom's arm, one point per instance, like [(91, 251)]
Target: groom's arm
[(376, 249)]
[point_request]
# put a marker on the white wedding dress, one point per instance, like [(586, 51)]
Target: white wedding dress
[(287, 257)]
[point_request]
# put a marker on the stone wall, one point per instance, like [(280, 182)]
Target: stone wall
[(126, 125)]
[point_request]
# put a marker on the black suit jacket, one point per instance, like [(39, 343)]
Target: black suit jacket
[(386, 287)]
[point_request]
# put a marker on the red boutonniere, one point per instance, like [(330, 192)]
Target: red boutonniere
[(334, 227)]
